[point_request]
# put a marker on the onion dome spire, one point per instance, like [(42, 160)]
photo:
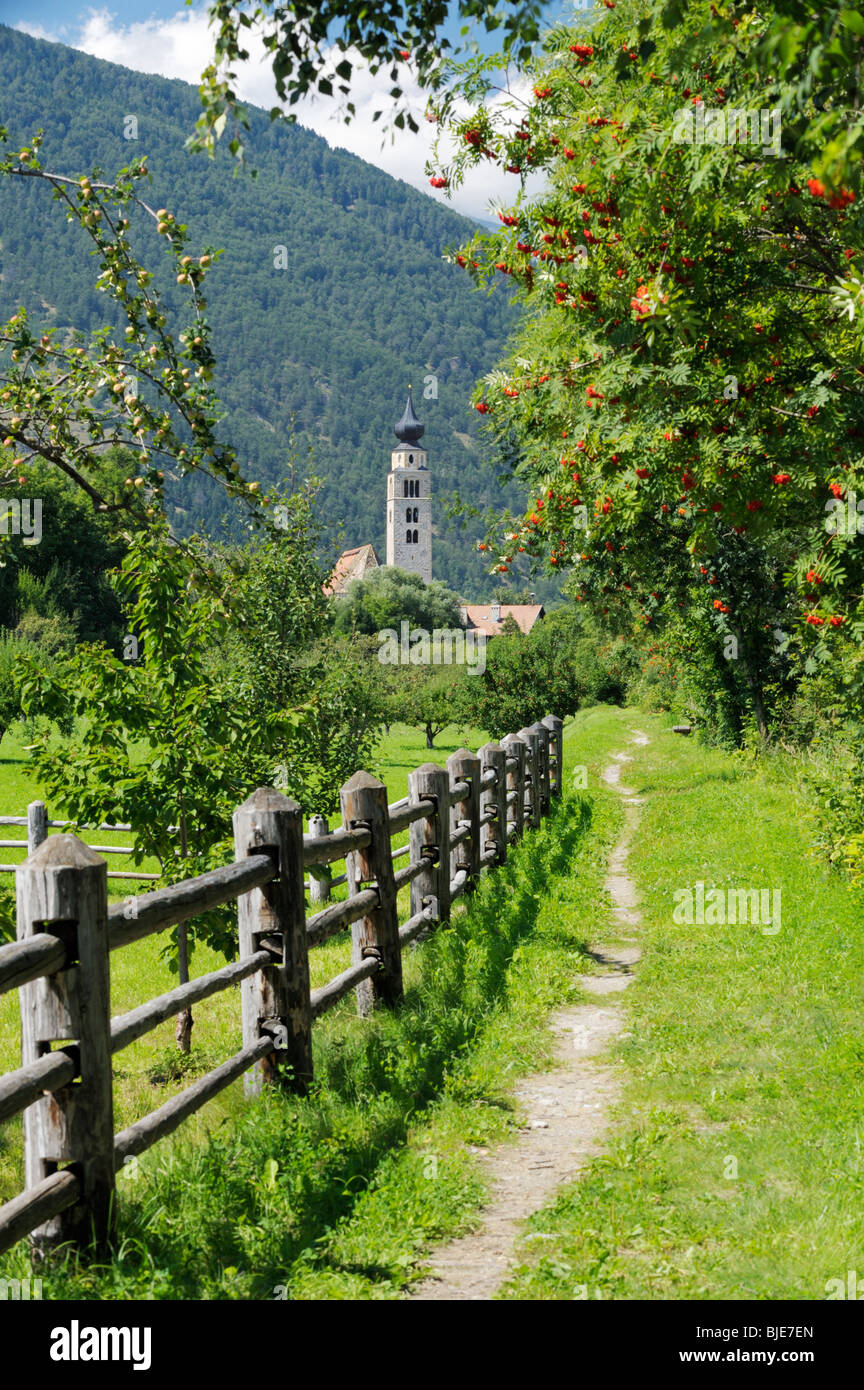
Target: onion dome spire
[(409, 430)]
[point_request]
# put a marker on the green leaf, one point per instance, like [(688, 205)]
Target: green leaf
[(853, 20)]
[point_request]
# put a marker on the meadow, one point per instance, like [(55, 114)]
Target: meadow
[(339, 1194), (151, 1069), (733, 1165)]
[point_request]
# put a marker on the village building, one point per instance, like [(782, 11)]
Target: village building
[(409, 535), (351, 565), (491, 618), (409, 499), (409, 513)]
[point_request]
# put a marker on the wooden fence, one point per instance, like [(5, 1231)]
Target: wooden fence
[(461, 819), (37, 824)]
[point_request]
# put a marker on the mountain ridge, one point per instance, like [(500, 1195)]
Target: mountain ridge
[(365, 304)]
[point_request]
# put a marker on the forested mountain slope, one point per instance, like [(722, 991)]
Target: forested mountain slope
[(364, 306)]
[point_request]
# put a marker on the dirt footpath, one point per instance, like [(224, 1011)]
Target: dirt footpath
[(566, 1109)]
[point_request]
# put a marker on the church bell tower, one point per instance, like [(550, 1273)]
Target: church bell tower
[(409, 503)]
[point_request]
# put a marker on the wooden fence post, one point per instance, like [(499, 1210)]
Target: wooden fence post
[(319, 888), (62, 889), (494, 834), (430, 840), (556, 741), (464, 766), (276, 999), (364, 803), (37, 825), (532, 778), (514, 746), (543, 750)]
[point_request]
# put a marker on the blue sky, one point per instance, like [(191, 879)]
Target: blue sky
[(171, 39), (53, 14), (57, 15)]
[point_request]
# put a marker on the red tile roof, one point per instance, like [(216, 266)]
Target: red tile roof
[(352, 564), (479, 616)]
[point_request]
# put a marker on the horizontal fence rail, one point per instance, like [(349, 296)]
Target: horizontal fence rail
[(38, 825), (166, 907), (461, 819)]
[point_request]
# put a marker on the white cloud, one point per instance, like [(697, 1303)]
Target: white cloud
[(36, 31), (175, 47), (181, 47)]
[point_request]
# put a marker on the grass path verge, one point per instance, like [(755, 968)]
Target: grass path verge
[(737, 1172)]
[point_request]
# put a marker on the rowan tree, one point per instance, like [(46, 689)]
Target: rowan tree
[(316, 49), (689, 362)]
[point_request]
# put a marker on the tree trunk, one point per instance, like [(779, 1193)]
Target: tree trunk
[(754, 685), (430, 736), (758, 704), (185, 1021)]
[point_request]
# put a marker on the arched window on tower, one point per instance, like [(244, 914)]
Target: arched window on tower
[(410, 458), (415, 537), (405, 487), (416, 516), (407, 513), (407, 537)]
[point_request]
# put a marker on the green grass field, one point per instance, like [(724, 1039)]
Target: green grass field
[(734, 1164), (19, 786), (339, 1195), (139, 972)]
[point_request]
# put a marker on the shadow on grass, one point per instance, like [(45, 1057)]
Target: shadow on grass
[(289, 1169)]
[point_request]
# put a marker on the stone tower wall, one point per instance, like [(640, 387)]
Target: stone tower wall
[(416, 557)]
